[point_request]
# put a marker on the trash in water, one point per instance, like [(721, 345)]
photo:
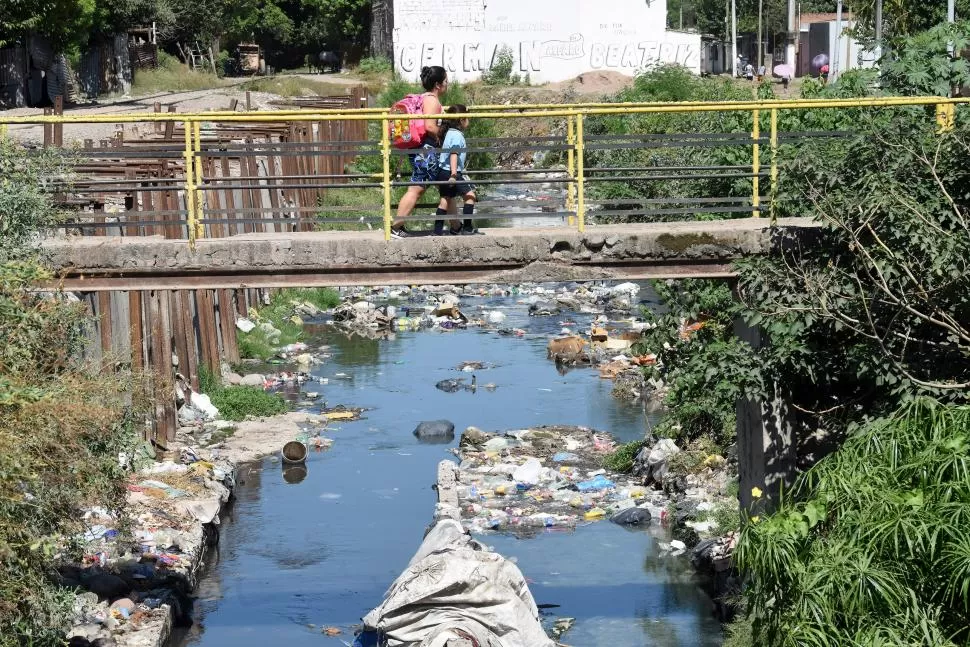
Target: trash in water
[(341, 412)]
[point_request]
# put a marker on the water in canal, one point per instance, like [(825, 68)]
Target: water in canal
[(295, 557)]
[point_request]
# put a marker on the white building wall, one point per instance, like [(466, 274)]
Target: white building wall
[(551, 40)]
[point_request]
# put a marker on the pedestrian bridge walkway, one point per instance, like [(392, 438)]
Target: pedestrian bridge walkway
[(307, 196), (335, 258)]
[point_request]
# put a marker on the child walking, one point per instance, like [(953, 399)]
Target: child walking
[(451, 162)]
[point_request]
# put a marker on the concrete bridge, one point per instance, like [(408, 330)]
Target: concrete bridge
[(335, 258)]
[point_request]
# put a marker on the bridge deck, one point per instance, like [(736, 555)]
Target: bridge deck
[(334, 258)]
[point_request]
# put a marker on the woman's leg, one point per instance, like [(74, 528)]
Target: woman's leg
[(406, 205)]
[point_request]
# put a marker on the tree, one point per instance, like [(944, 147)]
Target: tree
[(904, 18), (65, 23), (890, 272)]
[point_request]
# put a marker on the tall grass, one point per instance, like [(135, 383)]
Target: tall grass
[(172, 76), (872, 547)]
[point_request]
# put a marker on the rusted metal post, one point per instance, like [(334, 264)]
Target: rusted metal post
[(756, 165), (58, 129), (571, 169), (135, 329)]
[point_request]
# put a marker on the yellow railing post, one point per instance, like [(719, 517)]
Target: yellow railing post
[(190, 195), (945, 117), (774, 160), (197, 153), (386, 179), (756, 165), (571, 169), (580, 173)]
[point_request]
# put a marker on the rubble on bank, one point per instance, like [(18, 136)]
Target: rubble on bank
[(138, 578)]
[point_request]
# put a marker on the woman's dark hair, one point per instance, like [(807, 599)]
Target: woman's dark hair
[(454, 122), (432, 76)]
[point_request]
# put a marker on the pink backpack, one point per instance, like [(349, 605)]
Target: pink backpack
[(407, 133)]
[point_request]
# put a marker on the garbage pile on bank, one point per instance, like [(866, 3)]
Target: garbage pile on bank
[(546, 477), (136, 576)]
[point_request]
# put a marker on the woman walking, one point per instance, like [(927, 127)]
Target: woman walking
[(434, 80)]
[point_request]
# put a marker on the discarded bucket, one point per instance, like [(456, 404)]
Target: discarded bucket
[(294, 452)]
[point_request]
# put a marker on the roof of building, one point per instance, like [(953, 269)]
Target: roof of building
[(812, 18)]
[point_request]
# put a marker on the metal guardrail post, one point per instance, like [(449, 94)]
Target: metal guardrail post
[(199, 227), (774, 161), (945, 117), (386, 179), (571, 169), (755, 165), (190, 195), (580, 172)]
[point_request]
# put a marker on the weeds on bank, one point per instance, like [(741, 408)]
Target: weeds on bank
[(350, 205), (236, 403), (171, 75), (621, 460), (280, 312)]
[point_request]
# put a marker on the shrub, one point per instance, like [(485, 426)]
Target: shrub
[(239, 402), (62, 424), (500, 72), (375, 66), (621, 460)]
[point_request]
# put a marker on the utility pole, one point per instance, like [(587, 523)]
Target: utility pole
[(761, 55), (734, 35), (878, 29), (792, 35), (834, 63), (951, 16)]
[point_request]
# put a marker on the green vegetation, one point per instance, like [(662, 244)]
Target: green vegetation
[(667, 84), (347, 204), (287, 328), (725, 515), (868, 319), (704, 365), (172, 76), (621, 460), (62, 423), (375, 69), (872, 546), (500, 73), (240, 402)]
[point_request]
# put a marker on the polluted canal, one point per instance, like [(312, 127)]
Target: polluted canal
[(307, 552)]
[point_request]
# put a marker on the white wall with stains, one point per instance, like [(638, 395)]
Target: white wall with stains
[(551, 40)]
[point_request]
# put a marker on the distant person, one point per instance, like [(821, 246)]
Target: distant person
[(761, 73), (737, 66), (451, 164), (785, 80), (434, 80), (824, 74), (749, 72)]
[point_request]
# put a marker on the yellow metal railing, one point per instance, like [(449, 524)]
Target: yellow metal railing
[(573, 114)]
